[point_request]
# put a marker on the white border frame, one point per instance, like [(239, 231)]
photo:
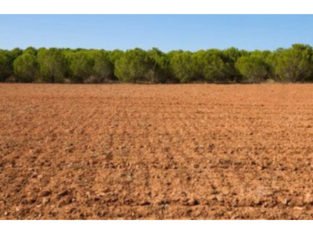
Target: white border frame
[(156, 7)]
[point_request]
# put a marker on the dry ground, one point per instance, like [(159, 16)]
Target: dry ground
[(156, 151)]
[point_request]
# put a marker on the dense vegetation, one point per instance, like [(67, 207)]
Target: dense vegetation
[(54, 65)]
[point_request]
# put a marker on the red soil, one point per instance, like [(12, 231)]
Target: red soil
[(156, 151)]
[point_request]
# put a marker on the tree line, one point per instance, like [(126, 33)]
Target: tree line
[(53, 65)]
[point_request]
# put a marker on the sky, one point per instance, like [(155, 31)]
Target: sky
[(166, 32)]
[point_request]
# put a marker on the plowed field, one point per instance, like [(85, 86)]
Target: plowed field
[(156, 151)]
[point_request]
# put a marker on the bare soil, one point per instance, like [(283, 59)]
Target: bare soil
[(156, 151)]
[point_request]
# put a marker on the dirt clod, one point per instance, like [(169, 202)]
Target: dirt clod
[(156, 151)]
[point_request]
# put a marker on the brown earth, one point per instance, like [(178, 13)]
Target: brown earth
[(156, 151)]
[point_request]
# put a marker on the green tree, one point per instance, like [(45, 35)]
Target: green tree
[(160, 71), (13, 54), (80, 66), (103, 68), (133, 66), (231, 55), (213, 66), (115, 55), (5, 65), (52, 65), (30, 50), (25, 67), (252, 68), (182, 66), (294, 64)]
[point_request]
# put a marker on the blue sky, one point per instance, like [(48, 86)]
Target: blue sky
[(167, 32)]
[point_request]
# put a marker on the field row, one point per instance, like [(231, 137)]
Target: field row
[(156, 151)]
